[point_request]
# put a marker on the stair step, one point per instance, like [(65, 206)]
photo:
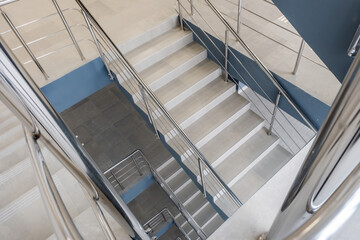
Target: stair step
[(10, 135), (245, 156), (196, 203), (188, 191), (170, 169), (198, 104), (158, 48), (5, 114), (212, 225), (214, 121), (187, 227), (254, 179), (178, 181), (205, 215), (188, 83), (238, 132), (9, 123), (13, 154), (173, 66), (193, 235)]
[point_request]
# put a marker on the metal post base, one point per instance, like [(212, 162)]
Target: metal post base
[(263, 236)]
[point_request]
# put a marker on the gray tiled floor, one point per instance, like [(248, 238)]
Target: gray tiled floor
[(110, 129)]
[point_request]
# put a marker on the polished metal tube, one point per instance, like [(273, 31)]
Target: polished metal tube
[(191, 7), (5, 2), (139, 80), (180, 15), (261, 65), (12, 26), (58, 9), (137, 165), (55, 132), (238, 17), (60, 218), (226, 55), (97, 44), (298, 59), (202, 178), (274, 113), (149, 112), (334, 139)]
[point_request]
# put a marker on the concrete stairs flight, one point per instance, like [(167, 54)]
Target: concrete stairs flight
[(216, 118), (22, 214)]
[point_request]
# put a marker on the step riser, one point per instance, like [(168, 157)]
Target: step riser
[(148, 35), (177, 71), (163, 53), (221, 127), (207, 108), (237, 145), (253, 163), (10, 136), (194, 88)]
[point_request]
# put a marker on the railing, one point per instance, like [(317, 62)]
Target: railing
[(27, 45), (21, 95), (139, 159), (163, 217), (163, 123), (294, 134)]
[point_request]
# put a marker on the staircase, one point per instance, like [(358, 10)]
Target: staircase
[(216, 118), (22, 215)]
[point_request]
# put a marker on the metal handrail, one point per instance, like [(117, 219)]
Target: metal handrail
[(16, 82), (164, 213), (160, 106), (260, 64), (224, 66), (161, 181), (60, 218)]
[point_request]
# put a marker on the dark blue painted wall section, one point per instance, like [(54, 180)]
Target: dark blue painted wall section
[(76, 85), (328, 26), (246, 71)]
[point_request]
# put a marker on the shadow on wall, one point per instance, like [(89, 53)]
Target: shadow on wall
[(247, 71)]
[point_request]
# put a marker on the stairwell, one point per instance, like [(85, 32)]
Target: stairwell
[(215, 117)]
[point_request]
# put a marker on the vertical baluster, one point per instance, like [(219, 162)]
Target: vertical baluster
[(238, 17), (274, 113), (226, 55), (180, 15), (202, 178), (301, 49)]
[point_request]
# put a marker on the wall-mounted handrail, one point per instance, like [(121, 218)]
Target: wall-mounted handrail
[(163, 110), (260, 64)]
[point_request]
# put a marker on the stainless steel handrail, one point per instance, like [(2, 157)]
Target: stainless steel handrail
[(16, 82), (164, 213), (160, 180), (5, 2), (336, 139), (140, 81), (260, 64), (60, 218)]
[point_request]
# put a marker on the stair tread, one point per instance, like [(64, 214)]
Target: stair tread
[(10, 135), (178, 181), (13, 154), (215, 117), (169, 169), (196, 203), (230, 135), (186, 80), (245, 155), (200, 99), (171, 62), (189, 190), (205, 215), (213, 225), (261, 173), (146, 50)]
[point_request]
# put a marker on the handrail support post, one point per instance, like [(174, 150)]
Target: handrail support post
[(68, 29), (274, 113), (238, 17), (20, 38), (226, 55), (151, 118), (202, 178), (298, 59), (102, 56), (180, 15)]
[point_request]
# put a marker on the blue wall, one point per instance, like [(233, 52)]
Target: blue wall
[(328, 26), (314, 109), (77, 85)]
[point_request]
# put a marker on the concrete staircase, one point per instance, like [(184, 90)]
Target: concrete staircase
[(22, 215), (216, 118)]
